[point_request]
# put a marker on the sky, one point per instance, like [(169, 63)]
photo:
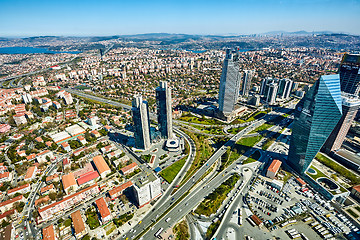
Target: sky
[(21, 18)]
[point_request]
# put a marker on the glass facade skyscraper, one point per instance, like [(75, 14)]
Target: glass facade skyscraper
[(315, 117), (229, 83), (140, 115), (350, 73), (164, 110)]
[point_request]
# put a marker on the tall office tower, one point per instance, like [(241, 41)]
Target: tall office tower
[(164, 110), (350, 74), (140, 112), (284, 90), (246, 82), (350, 106), (271, 93), (229, 83), (315, 117)]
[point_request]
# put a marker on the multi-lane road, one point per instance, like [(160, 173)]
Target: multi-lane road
[(171, 207)]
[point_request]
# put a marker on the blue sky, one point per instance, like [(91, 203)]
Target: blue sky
[(111, 17)]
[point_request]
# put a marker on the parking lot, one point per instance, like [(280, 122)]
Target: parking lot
[(297, 212)]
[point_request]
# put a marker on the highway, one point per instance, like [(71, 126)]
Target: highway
[(164, 203)]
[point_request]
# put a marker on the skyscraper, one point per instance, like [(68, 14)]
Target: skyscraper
[(229, 83), (164, 110), (284, 90), (271, 93), (140, 112), (350, 106), (246, 77), (315, 117), (350, 74)]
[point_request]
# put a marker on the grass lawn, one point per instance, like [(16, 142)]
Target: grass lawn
[(318, 173), (268, 143), (261, 128), (209, 130), (342, 171), (171, 171), (214, 200), (203, 153), (192, 119), (92, 219), (236, 130)]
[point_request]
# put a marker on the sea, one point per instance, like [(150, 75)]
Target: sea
[(27, 50)]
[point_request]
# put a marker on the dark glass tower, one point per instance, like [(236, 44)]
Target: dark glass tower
[(164, 110), (140, 114), (229, 83), (315, 117), (350, 73)]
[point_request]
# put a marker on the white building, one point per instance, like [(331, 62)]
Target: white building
[(145, 190)]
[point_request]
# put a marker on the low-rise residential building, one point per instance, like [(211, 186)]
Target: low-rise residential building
[(79, 225), (129, 168), (103, 210), (4, 128), (95, 133), (21, 189), (101, 166), (47, 189), (9, 204), (69, 201), (117, 191), (52, 178), (69, 183), (43, 156), (4, 177), (30, 173), (108, 149), (20, 119), (81, 140), (115, 154), (66, 146), (49, 233)]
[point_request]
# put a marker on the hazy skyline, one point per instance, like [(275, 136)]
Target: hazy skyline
[(89, 18)]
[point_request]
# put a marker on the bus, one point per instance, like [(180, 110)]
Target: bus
[(157, 234)]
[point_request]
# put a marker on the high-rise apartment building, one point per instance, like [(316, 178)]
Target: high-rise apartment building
[(285, 86), (246, 77), (272, 90), (164, 110), (140, 114), (229, 83), (315, 117), (350, 74), (350, 106)]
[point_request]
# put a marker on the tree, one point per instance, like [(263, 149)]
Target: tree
[(52, 196)]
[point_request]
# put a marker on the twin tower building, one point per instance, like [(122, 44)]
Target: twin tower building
[(141, 117)]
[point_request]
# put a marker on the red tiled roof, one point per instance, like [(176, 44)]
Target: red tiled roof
[(66, 198), (128, 167), (103, 208), (87, 177), (274, 166), (18, 188), (15, 199), (120, 188)]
